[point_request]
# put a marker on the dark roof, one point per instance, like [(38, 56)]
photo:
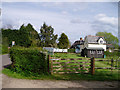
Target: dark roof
[(78, 42), (95, 48), (94, 39)]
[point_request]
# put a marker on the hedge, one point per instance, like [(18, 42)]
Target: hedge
[(71, 50), (112, 54), (29, 61)]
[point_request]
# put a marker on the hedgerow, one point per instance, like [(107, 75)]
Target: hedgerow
[(28, 61)]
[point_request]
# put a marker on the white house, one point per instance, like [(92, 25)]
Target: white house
[(94, 46), (91, 46)]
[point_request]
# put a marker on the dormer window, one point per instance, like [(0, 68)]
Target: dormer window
[(101, 42)]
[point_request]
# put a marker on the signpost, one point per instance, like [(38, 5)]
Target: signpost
[(13, 43)]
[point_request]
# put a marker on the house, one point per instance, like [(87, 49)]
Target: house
[(91, 46), (78, 45), (94, 46)]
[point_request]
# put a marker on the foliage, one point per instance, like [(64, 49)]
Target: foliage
[(4, 45), (63, 41), (25, 36), (112, 54), (47, 38), (33, 34), (71, 50), (110, 39), (28, 61)]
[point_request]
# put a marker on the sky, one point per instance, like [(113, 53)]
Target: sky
[(75, 19)]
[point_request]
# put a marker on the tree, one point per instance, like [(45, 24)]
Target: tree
[(24, 39), (63, 41), (33, 35), (47, 38), (110, 39)]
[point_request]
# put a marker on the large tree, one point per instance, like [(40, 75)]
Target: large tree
[(47, 37), (25, 36), (63, 41), (33, 35), (110, 39)]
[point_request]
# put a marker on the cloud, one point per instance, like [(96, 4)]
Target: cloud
[(78, 21), (103, 22), (60, 0)]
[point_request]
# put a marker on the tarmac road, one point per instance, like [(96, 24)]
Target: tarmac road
[(5, 61)]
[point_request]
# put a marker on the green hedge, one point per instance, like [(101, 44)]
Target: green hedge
[(28, 61), (4, 49), (112, 54), (71, 50)]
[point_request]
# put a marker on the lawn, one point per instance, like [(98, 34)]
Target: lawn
[(66, 55)]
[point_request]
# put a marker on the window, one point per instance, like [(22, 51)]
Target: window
[(99, 52), (92, 52), (101, 42)]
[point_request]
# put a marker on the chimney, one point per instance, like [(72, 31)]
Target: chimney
[(81, 39)]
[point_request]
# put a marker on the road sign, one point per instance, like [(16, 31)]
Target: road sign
[(13, 43)]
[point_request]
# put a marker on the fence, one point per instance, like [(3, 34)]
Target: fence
[(78, 65), (114, 64), (70, 65)]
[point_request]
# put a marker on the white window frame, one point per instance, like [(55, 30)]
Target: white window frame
[(99, 52), (92, 51)]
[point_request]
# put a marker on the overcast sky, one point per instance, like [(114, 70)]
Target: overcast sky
[(74, 19)]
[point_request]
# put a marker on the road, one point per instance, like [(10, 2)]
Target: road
[(5, 61), (8, 82)]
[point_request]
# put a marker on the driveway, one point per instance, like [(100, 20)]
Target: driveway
[(8, 82)]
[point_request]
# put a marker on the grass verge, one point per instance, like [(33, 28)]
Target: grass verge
[(100, 75)]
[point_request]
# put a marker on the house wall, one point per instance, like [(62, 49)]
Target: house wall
[(81, 47), (101, 39), (51, 49), (97, 45), (96, 55)]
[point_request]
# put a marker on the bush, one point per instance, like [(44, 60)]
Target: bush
[(28, 61), (112, 54), (71, 50), (4, 49)]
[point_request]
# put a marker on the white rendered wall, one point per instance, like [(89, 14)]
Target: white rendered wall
[(97, 45), (51, 49)]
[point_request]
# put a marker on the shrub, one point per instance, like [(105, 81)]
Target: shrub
[(71, 50), (4, 49), (112, 54), (28, 61)]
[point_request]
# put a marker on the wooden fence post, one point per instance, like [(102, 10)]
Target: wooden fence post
[(111, 63), (92, 66), (48, 63), (51, 66)]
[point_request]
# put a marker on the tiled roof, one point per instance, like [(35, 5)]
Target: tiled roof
[(78, 42), (93, 39)]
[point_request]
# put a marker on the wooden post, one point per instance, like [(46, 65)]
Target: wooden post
[(48, 63), (51, 66), (81, 67), (92, 66), (111, 63)]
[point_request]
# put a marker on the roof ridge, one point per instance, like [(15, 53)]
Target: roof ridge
[(94, 36)]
